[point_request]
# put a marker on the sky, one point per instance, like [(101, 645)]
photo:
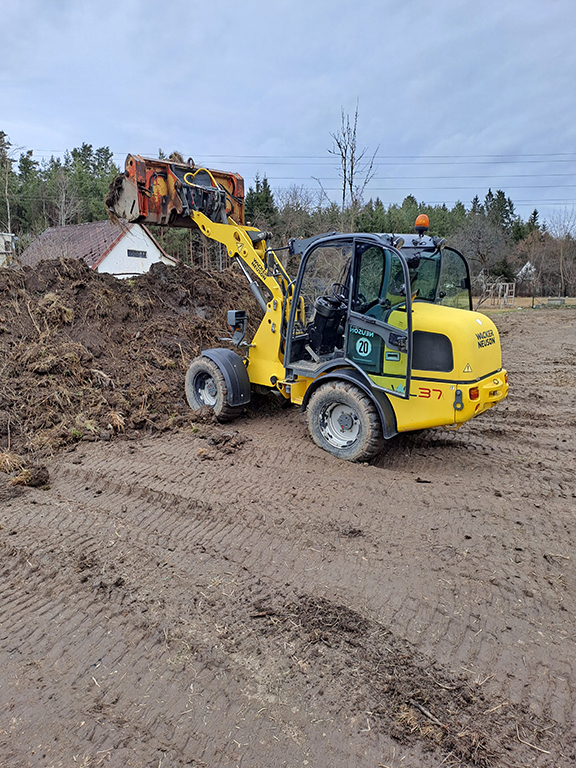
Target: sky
[(454, 97)]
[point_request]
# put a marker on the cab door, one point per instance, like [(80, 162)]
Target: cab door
[(379, 330)]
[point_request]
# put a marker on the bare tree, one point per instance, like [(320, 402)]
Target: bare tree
[(482, 243), (296, 206), (6, 174), (356, 169), (527, 260), (562, 226), (67, 206), (7, 159)]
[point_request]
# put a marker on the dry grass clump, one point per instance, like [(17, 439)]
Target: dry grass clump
[(48, 441), (68, 358), (10, 462), (116, 421), (86, 424), (56, 313)]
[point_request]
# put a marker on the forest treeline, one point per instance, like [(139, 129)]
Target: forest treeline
[(498, 243)]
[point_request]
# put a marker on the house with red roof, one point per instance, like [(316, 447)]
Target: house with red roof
[(118, 248)]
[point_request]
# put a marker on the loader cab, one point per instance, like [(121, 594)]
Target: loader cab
[(350, 306), (352, 303)]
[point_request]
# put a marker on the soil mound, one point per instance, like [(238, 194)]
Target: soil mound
[(85, 356)]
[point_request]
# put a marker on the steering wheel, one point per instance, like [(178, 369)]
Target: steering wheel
[(339, 292)]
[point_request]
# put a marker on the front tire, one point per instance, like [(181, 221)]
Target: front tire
[(206, 386), (344, 421)]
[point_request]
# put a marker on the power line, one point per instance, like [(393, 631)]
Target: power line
[(436, 188), (408, 180), (416, 157), (496, 158)]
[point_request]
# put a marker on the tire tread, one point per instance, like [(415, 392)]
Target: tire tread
[(222, 410), (371, 439)]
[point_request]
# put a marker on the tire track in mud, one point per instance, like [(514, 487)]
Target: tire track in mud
[(90, 659), (63, 620), (109, 641), (307, 545), (473, 618)]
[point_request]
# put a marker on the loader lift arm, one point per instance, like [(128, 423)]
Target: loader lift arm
[(247, 246)]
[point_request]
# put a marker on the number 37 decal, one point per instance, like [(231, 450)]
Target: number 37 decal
[(425, 392)]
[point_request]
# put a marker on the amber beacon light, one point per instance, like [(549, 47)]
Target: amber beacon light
[(422, 223)]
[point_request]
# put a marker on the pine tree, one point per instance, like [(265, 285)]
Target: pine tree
[(477, 208), (28, 208), (260, 208)]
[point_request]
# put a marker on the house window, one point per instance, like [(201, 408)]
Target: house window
[(137, 254)]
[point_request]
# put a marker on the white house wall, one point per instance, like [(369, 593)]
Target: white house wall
[(118, 263)]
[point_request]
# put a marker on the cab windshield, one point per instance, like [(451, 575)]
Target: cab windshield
[(440, 277)]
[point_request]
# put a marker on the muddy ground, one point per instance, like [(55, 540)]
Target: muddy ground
[(233, 596)]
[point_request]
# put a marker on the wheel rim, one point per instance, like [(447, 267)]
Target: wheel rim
[(339, 425), (205, 389)]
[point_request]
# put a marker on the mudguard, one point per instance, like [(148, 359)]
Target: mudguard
[(355, 377), (234, 372)]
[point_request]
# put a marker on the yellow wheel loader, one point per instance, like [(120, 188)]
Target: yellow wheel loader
[(374, 336)]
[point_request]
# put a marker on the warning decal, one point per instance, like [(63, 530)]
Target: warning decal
[(467, 369)]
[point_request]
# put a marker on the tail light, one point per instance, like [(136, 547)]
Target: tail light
[(474, 393)]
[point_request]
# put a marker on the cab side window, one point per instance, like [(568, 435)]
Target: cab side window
[(454, 285), (380, 282), (371, 268)]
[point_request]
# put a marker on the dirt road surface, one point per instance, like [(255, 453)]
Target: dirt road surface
[(233, 596)]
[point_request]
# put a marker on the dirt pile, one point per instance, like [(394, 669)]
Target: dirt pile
[(85, 356)]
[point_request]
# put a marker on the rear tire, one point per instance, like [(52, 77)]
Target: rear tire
[(206, 387), (344, 421)]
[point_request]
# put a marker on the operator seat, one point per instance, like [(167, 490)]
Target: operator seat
[(326, 330)]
